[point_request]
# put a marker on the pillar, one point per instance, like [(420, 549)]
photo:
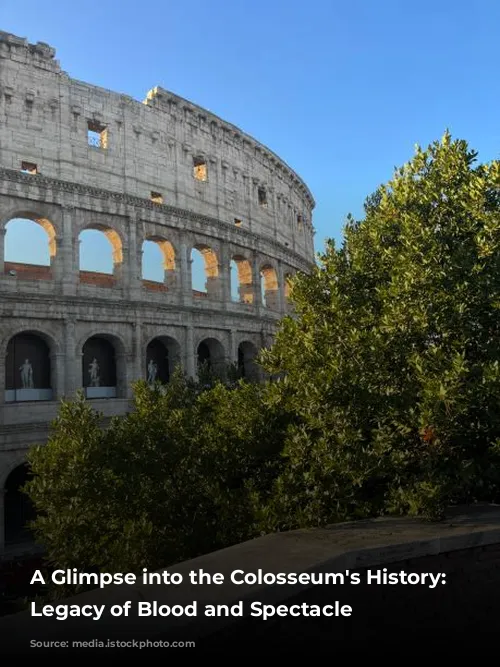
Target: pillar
[(58, 379), (133, 259), (225, 274), (256, 280), (2, 249), (73, 361), (138, 362), (185, 262), (233, 352), (67, 254), (190, 364)]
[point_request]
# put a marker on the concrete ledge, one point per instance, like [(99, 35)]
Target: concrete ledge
[(349, 546)]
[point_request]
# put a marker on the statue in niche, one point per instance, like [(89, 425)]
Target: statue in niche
[(152, 372), (27, 375), (94, 373)]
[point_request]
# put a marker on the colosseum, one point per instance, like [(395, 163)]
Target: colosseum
[(78, 162)]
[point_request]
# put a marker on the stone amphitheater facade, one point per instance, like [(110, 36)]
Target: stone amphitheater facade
[(75, 157)]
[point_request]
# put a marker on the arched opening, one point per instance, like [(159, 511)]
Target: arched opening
[(162, 356), (99, 368), (210, 354), (241, 280), (269, 287), (28, 372), (247, 354), (158, 262), (204, 271), (101, 256), (30, 248), (18, 508)]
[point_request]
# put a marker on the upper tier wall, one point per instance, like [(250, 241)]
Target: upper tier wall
[(145, 147)]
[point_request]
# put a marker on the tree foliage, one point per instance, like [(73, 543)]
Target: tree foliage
[(392, 364), (173, 479)]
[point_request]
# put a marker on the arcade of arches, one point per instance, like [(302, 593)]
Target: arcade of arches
[(31, 252), (43, 366), (31, 366)]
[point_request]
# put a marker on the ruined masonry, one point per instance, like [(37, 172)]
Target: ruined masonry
[(75, 157)]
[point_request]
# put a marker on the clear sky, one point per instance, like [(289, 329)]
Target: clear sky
[(342, 91)]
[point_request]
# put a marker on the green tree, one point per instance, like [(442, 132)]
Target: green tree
[(175, 478), (391, 366)]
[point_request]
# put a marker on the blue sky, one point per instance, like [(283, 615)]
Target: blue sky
[(340, 90)]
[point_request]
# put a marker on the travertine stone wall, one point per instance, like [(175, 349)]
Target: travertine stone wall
[(135, 177)]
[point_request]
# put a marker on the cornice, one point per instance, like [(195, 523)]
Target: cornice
[(124, 305)]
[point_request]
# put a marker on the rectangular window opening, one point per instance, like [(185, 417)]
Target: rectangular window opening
[(97, 134), (200, 169), (300, 221), (262, 194), (29, 168), (156, 197)]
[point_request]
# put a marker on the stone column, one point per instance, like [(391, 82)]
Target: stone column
[(123, 387), (58, 383), (67, 258), (185, 263), (225, 274), (233, 352), (133, 259), (73, 360), (138, 352), (190, 363), (2, 250), (256, 279)]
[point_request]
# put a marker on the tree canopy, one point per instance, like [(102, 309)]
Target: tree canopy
[(392, 363)]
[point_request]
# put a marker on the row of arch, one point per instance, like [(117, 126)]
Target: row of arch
[(30, 365), (30, 243)]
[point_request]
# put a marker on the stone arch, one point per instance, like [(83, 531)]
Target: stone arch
[(269, 286), (210, 351), (30, 366), (168, 259), (102, 278), (37, 267), (165, 353), (247, 366), (104, 373), (16, 458), (210, 268), (244, 276), (49, 337), (18, 508)]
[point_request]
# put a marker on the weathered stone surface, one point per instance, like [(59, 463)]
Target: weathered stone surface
[(135, 178)]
